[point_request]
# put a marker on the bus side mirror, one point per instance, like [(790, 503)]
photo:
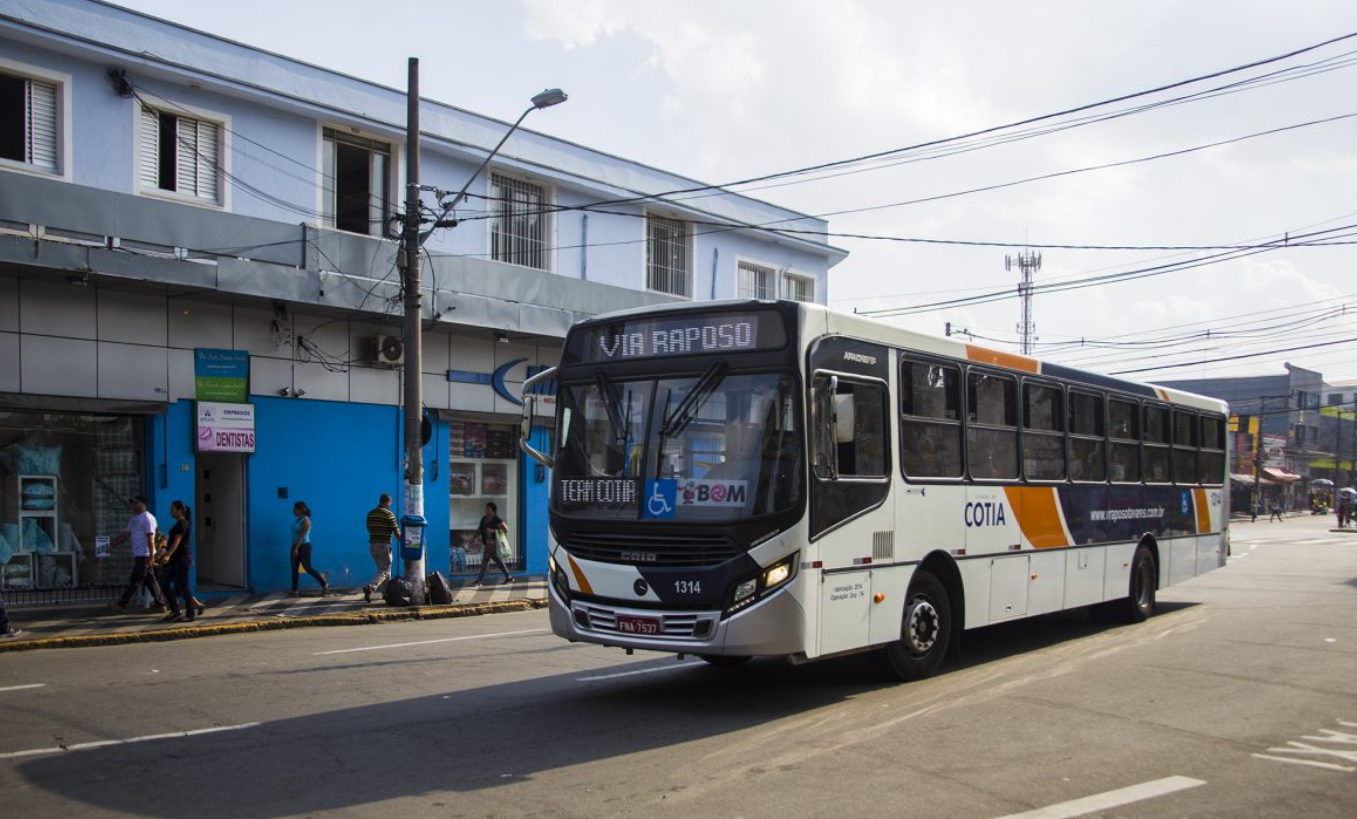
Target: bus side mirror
[(844, 426), (824, 406), (529, 413)]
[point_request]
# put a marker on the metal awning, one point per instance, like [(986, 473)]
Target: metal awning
[(1239, 477), (1280, 475)]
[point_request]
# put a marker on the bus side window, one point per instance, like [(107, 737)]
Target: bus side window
[(1088, 449), (1156, 437), (1213, 450), (850, 429), (1184, 447), (930, 429)]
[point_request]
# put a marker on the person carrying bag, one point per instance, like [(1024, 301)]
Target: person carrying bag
[(493, 532)]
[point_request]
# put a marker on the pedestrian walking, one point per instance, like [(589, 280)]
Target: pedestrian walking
[(382, 526), (1276, 512), (301, 548), (1257, 509), (1341, 510), (489, 530), (177, 561), (5, 629), (140, 532)]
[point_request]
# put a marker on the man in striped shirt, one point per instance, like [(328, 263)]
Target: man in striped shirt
[(382, 526)]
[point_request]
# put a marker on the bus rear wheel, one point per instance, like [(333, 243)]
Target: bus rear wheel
[(925, 633), (1139, 602)]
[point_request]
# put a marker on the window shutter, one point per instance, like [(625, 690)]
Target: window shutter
[(208, 152), (42, 124), (149, 167), (186, 156)]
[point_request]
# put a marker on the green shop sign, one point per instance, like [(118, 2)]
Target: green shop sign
[(221, 375)]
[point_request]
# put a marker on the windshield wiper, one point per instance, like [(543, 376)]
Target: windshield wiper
[(687, 409), (612, 404)]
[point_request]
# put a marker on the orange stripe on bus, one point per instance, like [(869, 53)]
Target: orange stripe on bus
[(1009, 360), (1163, 393), (580, 579), (1203, 513), (1038, 511)]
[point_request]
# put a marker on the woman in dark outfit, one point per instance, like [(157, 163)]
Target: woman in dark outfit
[(490, 525), (177, 562)]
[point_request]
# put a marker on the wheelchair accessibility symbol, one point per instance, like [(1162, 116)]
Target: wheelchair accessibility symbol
[(661, 496)]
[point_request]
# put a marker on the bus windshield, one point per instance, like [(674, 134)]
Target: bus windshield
[(716, 447)]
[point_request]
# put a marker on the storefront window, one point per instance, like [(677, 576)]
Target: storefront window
[(65, 480), (482, 468)]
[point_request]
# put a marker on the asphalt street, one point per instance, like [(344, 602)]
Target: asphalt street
[(1238, 700)]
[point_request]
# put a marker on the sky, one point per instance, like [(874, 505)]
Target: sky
[(724, 90)]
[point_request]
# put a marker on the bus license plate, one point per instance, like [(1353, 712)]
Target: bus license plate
[(637, 625)]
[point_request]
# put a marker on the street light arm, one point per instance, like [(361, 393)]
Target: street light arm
[(456, 200)]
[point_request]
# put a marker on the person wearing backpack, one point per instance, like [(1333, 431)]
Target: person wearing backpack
[(489, 530)]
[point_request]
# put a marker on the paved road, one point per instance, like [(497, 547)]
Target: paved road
[(1238, 700)]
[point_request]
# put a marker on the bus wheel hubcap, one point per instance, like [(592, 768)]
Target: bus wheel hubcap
[(921, 626)]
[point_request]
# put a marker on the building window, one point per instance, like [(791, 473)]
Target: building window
[(180, 155), (520, 232), (669, 256), (754, 281), (798, 288), (356, 181), (28, 121)]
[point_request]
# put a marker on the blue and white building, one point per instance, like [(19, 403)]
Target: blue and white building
[(177, 208)]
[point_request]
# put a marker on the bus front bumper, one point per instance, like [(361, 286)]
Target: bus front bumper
[(775, 626)]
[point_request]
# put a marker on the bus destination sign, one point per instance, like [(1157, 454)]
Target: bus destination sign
[(696, 335)]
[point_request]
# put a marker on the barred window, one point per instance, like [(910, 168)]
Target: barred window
[(28, 121), (992, 434), (669, 256), (180, 154), (798, 288), (755, 281), (520, 232)]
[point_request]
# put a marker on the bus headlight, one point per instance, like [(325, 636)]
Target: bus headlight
[(777, 575), (746, 589)]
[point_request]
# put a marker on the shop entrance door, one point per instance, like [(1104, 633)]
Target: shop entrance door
[(221, 520)]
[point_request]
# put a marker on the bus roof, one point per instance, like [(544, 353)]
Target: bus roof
[(817, 319)]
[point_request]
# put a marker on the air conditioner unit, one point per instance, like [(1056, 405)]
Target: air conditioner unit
[(387, 351)]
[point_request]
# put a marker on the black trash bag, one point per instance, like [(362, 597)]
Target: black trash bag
[(398, 592), (437, 589)]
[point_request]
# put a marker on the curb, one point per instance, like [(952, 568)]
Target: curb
[(351, 619)]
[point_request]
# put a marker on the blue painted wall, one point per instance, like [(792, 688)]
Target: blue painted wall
[(338, 458), (169, 462)]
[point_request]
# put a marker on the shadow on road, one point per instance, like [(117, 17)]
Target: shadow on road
[(480, 739)]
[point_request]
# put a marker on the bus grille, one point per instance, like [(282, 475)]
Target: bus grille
[(673, 625), (652, 550)]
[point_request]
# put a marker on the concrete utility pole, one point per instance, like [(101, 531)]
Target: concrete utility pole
[(414, 381), (1028, 263), (1258, 444)]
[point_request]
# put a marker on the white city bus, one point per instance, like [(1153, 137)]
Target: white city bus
[(754, 478)]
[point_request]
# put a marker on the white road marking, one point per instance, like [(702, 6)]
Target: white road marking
[(431, 642), (633, 673), (1254, 546), (1239, 557), (23, 687), (1328, 766), (84, 746), (1110, 799)]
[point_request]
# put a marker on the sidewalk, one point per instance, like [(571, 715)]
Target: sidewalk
[(83, 625)]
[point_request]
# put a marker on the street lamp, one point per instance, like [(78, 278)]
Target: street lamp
[(544, 99), (412, 241)]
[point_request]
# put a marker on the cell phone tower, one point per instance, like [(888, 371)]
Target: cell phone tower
[(1027, 263)]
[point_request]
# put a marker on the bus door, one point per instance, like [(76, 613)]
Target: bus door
[(852, 511)]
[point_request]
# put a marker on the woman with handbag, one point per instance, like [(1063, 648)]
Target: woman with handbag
[(494, 542)]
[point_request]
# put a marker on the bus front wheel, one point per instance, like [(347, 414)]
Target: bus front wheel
[(925, 633)]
